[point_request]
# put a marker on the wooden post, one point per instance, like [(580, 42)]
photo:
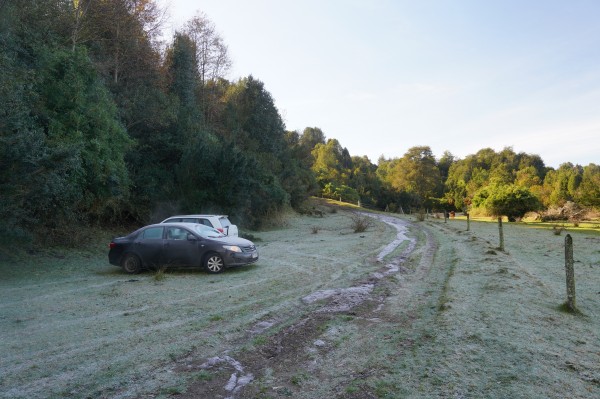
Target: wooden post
[(501, 232), (445, 216), (570, 272), (468, 222)]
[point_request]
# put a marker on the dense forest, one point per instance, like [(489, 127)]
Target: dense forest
[(103, 124)]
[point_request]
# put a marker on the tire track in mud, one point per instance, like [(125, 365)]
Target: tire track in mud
[(287, 350)]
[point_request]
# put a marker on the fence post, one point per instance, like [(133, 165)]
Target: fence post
[(468, 222), (570, 273), (501, 232)]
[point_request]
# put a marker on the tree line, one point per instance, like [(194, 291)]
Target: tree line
[(102, 123), (488, 182)]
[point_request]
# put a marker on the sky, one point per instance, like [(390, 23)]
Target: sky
[(382, 76)]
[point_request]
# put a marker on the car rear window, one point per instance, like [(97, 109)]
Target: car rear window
[(224, 221)]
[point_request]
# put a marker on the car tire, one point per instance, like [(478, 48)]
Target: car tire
[(131, 264), (213, 263)]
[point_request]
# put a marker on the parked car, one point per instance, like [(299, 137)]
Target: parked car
[(180, 244), (219, 222)]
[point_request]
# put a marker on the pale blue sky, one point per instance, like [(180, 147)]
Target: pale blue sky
[(382, 76)]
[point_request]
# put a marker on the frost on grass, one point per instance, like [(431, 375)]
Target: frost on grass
[(76, 327)]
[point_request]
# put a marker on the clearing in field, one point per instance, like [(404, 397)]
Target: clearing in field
[(404, 309)]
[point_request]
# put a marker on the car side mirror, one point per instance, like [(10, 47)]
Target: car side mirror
[(191, 237)]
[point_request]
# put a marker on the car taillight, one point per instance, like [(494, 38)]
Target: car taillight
[(220, 229), (112, 245)]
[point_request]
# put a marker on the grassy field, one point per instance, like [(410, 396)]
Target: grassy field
[(326, 312)]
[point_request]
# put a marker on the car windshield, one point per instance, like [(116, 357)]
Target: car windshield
[(207, 232)]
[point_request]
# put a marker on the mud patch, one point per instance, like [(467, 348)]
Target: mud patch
[(238, 379), (340, 300)]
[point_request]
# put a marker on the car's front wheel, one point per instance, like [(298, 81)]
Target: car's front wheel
[(131, 264), (213, 263)]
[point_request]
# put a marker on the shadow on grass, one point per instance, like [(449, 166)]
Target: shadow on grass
[(177, 271), (565, 308), (112, 271)]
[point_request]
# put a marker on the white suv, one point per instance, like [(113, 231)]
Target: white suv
[(219, 222)]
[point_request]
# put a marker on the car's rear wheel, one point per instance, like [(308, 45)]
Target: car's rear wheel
[(213, 263), (131, 264)]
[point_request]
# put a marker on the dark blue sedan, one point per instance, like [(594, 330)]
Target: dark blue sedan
[(180, 245)]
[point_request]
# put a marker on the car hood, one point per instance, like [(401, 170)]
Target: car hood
[(229, 240)]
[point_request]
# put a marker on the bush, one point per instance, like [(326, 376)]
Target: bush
[(507, 200), (360, 222)]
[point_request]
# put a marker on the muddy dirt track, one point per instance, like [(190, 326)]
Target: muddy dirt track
[(405, 309), (412, 329), (298, 353)]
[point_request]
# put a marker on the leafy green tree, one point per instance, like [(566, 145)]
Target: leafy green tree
[(588, 193), (417, 173), (119, 36), (297, 178), (467, 176), (311, 136), (122, 39), (363, 178), (444, 164), (329, 163), (343, 193), (561, 185), (252, 122), (24, 159), (82, 119), (61, 134), (506, 200)]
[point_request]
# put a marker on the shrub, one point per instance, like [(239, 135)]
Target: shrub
[(159, 274), (507, 200), (360, 223)]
